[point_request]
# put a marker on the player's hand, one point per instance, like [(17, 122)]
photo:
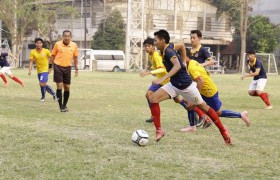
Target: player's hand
[(144, 73), (243, 77), (158, 81), (76, 72), (29, 72)]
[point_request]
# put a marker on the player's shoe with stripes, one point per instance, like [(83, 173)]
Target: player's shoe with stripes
[(201, 121), (208, 122)]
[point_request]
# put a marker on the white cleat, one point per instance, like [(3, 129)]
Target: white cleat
[(42, 100), (245, 118), (268, 107)]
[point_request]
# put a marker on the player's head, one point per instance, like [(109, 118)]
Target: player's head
[(39, 43), (66, 36), (196, 35), (251, 54), (161, 39), (3, 47), (149, 45)]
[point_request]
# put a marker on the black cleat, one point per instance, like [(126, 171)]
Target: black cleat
[(150, 120), (63, 109)]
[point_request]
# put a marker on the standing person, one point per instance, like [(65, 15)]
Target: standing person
[(159, 70), (41, 57), (63, 53), (209, 92), (257, 85), (180, 84), (5, 67)]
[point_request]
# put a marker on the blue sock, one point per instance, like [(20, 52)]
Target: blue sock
[(230, 114), (50, 90), (191, 117), (183, 104), (43, 91)]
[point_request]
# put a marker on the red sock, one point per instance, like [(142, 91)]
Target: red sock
[(4, 78), (265, 98), (215, 118), (17, 80), (155, 109), (199, 112)]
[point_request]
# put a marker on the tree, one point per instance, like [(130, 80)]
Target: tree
[(111, 33), (263, 36)]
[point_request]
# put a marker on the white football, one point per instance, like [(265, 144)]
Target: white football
[(140, 137)]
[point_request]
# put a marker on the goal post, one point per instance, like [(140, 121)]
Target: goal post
[(268, 61)]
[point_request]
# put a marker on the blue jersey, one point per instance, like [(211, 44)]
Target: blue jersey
[(3, 60), (200, 55), (181, 79), (257, 65)]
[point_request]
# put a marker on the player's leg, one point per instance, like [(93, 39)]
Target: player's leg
[(9, 73), (43, 82), (51, 91), (66, 85), (58, 79), (153, 88), (165, 92), (263, 95), (2, 75)]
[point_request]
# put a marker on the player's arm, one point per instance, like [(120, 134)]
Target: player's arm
[(30, 66), (252, 74), (200, 82), (76, 65), (180, 47), (208, 62), (153, 72), (176, 67)]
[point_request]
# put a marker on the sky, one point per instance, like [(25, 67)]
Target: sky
[(270, 8)]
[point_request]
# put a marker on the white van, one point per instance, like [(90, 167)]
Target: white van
[(105, 60)]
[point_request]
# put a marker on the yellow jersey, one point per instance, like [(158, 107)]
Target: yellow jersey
[(195, 69), (156, 62), (41, 59)]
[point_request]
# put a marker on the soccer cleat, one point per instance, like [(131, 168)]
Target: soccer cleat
[(245, 118), (188, 129), (207, 123), (42, 100), (159, 134), (201, 121), (63, 109), (150, 120), (226, 137), (268, 107)]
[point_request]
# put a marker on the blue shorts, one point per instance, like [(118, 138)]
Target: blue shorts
[(154, 87), (43, 77), (214, 101)]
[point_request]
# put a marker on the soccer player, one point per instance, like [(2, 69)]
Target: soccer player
[(41, 57), (198, 52), (180, 84), (209, 92), (63, 54), (5, 67), (257, 85), (159, 70)]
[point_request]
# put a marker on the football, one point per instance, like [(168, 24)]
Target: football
[(140, 137)]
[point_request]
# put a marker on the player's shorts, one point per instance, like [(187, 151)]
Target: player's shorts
[(214, 101), (258, 84), (6, 70), (154, 87), (62, 74), (191, 93), (43, 77)]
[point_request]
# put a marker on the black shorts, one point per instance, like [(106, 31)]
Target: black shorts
[(62, 74)]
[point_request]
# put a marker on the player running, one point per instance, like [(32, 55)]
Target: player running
[(257, 85), (41, 57), (5, 67), (180, 84), (209, 93), (159, 70)]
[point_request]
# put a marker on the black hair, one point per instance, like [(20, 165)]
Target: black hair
[(149, 41), (65, 31), (163, 34), (39, 39), (251, 51), (3, 46), (197, 32)]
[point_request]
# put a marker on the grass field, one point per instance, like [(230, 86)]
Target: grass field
[(92, 140)]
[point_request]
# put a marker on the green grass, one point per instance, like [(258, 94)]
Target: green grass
[(92, 140)]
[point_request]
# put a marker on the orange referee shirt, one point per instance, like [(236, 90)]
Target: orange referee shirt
[(64, 54)]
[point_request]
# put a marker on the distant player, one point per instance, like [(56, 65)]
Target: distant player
[(41, 57), (257, 85), (159, 70), (180, 84), (5, 67), (209, 92)]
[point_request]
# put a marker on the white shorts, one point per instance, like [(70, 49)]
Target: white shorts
[(191, 93), (258, 84), (6, 70)]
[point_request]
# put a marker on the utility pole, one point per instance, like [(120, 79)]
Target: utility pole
[(243, 30), (85, 24)]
